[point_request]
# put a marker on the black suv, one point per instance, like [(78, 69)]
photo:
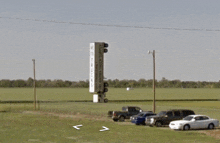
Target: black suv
[(165, 117)]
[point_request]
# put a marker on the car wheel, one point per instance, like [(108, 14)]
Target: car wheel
[(186, 127), (143, 123), (105, 100), (115, 120), (211, 126), (158, 124), (121, 118)]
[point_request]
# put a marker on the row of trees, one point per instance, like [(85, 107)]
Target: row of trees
[(163, 83)]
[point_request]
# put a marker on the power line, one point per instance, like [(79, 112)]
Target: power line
[(118, 26)]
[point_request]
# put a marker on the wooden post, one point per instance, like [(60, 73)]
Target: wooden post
[(154, 106), (35, 97)]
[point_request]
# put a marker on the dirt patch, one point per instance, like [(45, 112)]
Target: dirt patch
[(3, 111), (72, 116), (124, 123), (213, 133)]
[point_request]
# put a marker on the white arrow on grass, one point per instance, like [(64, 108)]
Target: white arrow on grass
[(76, 127), (105, 129)]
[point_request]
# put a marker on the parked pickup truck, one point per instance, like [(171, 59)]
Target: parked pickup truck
[(165, 117), (126, 113)]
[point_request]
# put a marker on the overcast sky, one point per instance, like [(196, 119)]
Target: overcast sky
[(185, 35)]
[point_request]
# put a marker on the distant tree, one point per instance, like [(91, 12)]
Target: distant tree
[(67, 83), (124, 83), (216, 85), (59, 83), (5, 83), (19, 83), (150, 83), (40, 83), (74, 84), (30, 82), (142, 82), (164, 83), (116, 83), (110, 83), (132, 83), (84, 84), (176, 83)]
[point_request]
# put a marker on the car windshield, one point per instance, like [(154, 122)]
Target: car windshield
[(162, 113), (141, 114), (188, 118), (123, 109)]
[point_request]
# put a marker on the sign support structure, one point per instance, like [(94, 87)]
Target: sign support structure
[(34, 84), (97, 86)]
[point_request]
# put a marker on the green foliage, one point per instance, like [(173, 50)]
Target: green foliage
[(116, 83), (6, 83)]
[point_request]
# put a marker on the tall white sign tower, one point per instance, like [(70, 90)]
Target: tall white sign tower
[(97, 86)]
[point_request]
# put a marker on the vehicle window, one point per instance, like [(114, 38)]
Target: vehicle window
[(188, 118), (201, 118), (176, 113), (162, 113), (137, 109), (197, 118), (184, 113), (169, 114), (191, 113), (124, 108), (187, 112), (149, 115), (205, 118)]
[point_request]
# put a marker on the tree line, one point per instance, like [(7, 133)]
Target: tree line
[(116, 83)]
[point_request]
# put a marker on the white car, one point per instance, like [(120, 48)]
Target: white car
[(194, 122)]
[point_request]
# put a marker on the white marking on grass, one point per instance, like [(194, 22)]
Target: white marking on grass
[(76, 127), (105, 129)]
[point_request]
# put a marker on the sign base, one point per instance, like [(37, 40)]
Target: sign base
[(95, 98)]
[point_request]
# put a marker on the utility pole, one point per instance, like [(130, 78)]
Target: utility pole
[(154, 81), (153, 53), (35, 97)]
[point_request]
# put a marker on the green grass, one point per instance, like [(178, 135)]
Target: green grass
[(210, 108), (113, 94), (54, 121), (20, 127), (45, 94)]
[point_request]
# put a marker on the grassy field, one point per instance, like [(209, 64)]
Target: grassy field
[(54, 122), (210, 108), (113, 94), (53, 129)]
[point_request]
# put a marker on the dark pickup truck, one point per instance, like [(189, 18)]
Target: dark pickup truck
[(126, 113), (165, 117)]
